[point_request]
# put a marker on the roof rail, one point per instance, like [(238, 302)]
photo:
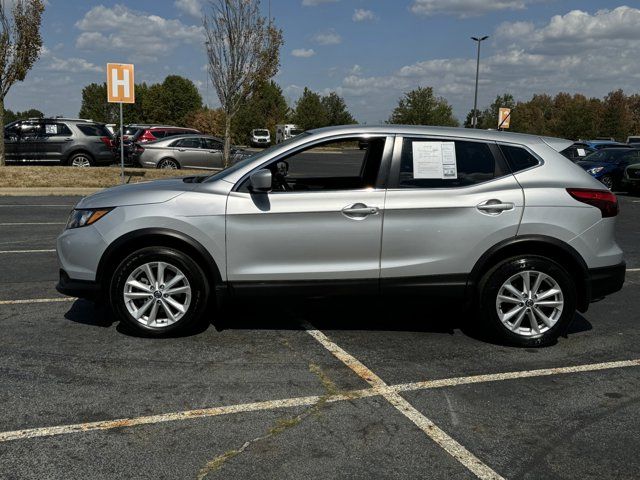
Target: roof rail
[(73, 119)]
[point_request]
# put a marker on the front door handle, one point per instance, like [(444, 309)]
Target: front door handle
[(495, 207), (359, 211)]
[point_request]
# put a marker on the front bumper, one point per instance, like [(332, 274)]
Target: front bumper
[(78, 288), (607, 280)]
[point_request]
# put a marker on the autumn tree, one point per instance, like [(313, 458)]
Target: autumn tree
[(422, 107), (206, 120), (243, 49), (20, 44)]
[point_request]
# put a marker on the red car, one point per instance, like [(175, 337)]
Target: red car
[(137, 133)]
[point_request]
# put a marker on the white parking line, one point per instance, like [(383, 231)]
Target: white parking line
[(302, 401), (451, 446), (633, 269), (26, 251), (37, 300), (30, 223)]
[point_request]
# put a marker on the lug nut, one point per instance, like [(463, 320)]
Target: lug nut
[(162, 287)]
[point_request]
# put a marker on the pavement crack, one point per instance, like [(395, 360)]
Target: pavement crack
[(281, 425)]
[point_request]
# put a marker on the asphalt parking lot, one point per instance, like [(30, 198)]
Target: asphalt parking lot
[(322, 389)]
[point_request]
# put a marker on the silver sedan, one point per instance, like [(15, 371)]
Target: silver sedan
[(185, 151)]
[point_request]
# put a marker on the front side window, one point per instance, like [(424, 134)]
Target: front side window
[(430, 163), (329, 166)]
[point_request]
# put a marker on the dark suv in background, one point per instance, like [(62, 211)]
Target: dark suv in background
[(67, 141)]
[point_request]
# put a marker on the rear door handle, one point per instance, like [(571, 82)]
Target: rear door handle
[(359, 211), (495, 207)]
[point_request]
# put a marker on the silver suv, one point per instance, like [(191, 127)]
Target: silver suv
[(499, 221)]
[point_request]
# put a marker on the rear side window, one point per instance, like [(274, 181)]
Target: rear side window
[(518, 158), (430, 163), (94, 130), (159, 133), (56, 129)]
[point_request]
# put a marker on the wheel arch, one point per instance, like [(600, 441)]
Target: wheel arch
[(173, 159), (552, 248), (119, 249)]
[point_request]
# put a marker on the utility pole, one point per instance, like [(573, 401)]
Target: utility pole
[(474, 119)]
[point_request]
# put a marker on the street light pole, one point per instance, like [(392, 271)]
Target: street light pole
[(474, 119)]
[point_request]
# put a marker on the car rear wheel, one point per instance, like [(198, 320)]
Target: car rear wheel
[(159, 290), (527, 301), (607, 181), (82, 160), (168, 164)]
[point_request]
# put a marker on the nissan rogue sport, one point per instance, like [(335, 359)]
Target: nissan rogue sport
[(498, 221)]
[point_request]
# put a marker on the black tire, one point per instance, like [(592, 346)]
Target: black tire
[(169, 164), (187, 266), (81, 159), (494, 279)]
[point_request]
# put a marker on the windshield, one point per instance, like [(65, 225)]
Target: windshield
[(246, 161), (606, 156), (261, 133)]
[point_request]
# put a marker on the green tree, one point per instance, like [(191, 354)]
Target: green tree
[(422, 107), (336, 110), (20, 44), (95, 106), (489, 117), (617, 118), (10, 116), (310, 111), (265, 108)]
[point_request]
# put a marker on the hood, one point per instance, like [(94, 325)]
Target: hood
[(157, 191)]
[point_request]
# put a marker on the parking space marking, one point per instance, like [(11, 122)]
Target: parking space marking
[(30, 223), (381, 389), (37, 300), (451, 446), (633, 269), (26, 251)]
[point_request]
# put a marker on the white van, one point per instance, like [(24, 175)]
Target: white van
[(286, 131)]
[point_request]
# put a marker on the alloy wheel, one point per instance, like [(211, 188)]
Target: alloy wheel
[(529, 303), (157, 294), (168, 165), (80, 161)]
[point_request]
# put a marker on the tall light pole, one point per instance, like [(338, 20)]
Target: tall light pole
[(474, 119)]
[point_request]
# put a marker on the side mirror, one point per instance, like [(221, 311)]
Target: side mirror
[(261, 181)]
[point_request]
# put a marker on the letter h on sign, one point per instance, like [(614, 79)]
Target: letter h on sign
[(120, 83)]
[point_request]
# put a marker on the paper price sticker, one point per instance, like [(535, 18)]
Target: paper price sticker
[(435, 160)]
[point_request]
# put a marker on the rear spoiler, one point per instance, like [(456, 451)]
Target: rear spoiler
[(558, 144)]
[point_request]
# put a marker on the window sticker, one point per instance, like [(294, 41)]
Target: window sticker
[(582, 152), (435, 160), (51, 129)]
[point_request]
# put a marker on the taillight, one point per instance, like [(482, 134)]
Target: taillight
[(139, 149), (147, 136), (604, 200), (107, 141)]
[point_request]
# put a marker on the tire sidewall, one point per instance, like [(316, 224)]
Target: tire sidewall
[(495, 278), (194, 274)]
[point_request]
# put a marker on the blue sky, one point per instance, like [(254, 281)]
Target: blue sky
[(369, 51)]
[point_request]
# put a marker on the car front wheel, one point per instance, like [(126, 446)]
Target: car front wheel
[(158, 290), (527, 301)]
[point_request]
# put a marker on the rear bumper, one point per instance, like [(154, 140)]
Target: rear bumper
[(607, 280), (78, 288)]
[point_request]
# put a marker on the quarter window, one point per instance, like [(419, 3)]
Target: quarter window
[(431, 163), (518, 158)]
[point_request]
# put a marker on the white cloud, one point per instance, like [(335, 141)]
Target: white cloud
[(330, 37), (315, 3), (139, 35), (303, 52), (579, 52), (362, 15), (466, 8), (190, 7), (73, 65)]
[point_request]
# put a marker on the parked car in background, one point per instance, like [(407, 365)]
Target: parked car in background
[(66, 141), (599, 144), (578, 151), (185, 151), (633, 139), (426, 211), (608, 165), (286, 131), (142, 133), (260, 138), (631, 178)]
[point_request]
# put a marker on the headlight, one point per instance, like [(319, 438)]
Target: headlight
[(84, 217), (595, 170)]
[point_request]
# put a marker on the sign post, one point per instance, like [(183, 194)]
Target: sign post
[(504, 118), (120, 89)]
